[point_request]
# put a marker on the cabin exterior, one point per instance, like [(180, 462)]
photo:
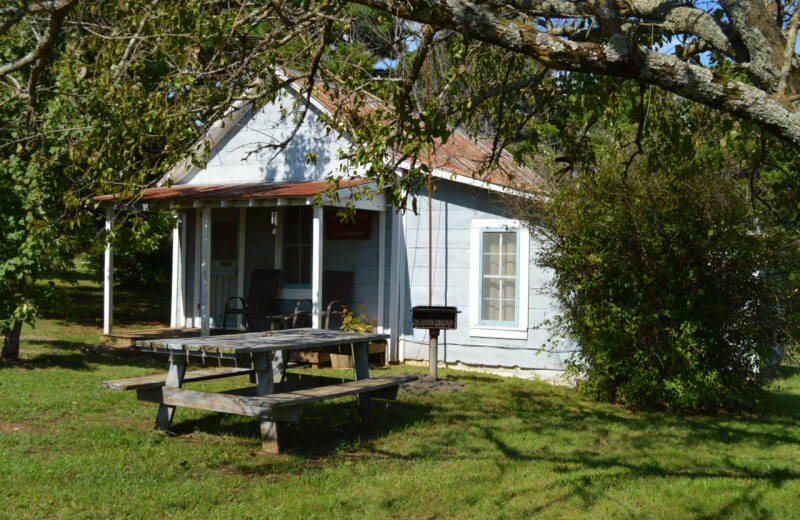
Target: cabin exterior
[(254, 207)]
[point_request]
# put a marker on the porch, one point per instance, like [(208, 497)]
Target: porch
[(225, 235)]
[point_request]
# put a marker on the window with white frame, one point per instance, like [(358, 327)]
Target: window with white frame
[(499, 253)]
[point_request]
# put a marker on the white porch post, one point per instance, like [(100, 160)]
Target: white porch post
[(108, 277), (316, 267), (240, 267), (381, 269), (205, 273), (177, 312), (397, 287)]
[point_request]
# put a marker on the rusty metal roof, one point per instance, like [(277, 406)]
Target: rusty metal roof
[(235, 191), (462, 154)]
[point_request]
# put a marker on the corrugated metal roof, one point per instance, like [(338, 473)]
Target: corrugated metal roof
[(235, 191), (462, 154)]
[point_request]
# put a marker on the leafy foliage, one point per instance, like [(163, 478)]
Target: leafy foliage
[(142, 251), (679, 296)]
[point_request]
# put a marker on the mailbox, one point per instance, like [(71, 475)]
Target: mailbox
[(434, 317)]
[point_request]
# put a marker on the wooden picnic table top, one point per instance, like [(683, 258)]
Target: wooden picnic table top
[(254, 342)]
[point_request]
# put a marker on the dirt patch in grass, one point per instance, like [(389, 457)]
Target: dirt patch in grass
[(11, 427), (427, 384)]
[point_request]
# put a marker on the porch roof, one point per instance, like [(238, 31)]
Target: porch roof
[(235, 194)]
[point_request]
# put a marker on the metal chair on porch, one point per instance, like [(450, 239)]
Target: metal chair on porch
[(264, 285), (336, 288)]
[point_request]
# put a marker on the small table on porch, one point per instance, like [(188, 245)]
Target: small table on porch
[(263, 355)]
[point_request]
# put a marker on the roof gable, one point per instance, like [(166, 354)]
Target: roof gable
[(243, 150)]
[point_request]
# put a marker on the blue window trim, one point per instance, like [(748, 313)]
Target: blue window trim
[(497, 323)]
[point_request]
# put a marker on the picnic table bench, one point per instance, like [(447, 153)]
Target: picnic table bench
[(276, 394)]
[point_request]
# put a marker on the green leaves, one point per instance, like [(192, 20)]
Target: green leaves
[(679, 296)]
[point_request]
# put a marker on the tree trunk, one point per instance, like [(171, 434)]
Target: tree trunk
[(11, 342)]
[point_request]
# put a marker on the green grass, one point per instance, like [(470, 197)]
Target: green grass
[(501, 448)]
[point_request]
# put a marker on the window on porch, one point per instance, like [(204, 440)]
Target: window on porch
[(297, 246)]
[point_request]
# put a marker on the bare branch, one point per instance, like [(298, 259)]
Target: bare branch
[(39, 54)]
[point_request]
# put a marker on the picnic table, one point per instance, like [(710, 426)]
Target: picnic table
[(274, 394)]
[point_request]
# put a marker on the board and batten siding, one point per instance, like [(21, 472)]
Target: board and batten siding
[(455, 208), (231, 160)]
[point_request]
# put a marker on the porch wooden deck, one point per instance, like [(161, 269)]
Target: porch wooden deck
[(129, 338)]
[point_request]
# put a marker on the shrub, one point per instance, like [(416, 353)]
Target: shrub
[(674, 293)]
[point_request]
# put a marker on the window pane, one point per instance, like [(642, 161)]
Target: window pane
[(509, 243), (509, 302), (491, 264), (305, 265), (490, 308), (297, 245), (491, 243)]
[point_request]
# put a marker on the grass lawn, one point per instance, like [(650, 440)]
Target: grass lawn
[(499, 448)]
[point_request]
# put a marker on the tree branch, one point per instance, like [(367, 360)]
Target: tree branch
[(788, 53), (612, 58), (48, 6), (42, 51), (39, 55), (761, 37), (131, 43)]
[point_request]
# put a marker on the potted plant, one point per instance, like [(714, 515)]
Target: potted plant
[(357, 322)]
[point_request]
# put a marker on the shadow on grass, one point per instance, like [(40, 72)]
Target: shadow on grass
[(590, 476), (77, 355), (132, 306), (325, 428), (595, 450)]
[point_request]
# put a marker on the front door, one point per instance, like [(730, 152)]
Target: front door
[(224, 269)]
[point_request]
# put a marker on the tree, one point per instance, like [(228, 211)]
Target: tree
[(104, 97), (633, 40), (80, 125)]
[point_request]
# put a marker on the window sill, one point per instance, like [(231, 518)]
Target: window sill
[(294, 294), (498, 332)]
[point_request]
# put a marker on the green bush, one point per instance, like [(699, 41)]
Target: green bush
[(674, 293)]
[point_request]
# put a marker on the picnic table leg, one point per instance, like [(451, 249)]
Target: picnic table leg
[(265, 385), (177, 369), (279, 360), (361, 371)]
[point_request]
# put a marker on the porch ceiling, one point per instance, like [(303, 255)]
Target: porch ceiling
[(254, 194)]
